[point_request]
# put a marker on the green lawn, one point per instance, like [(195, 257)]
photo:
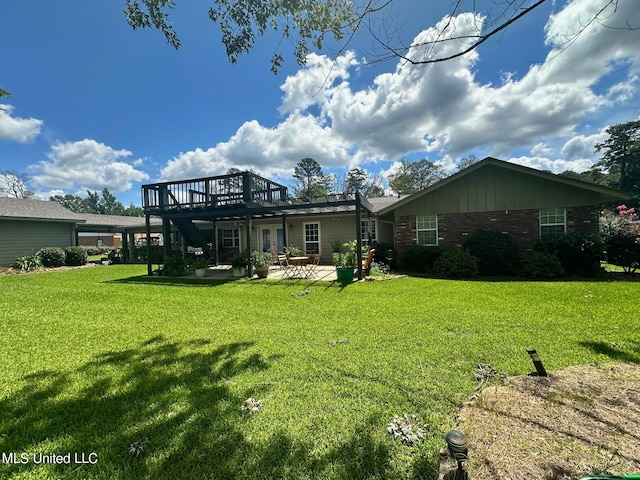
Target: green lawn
[(95, 360)]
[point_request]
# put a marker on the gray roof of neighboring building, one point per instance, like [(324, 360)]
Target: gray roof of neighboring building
[(28, 208), (115, 220), (31, 209)]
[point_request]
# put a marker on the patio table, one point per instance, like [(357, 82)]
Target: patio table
[(298, 269)]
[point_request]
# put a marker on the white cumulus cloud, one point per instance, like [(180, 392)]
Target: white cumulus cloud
[(16, 129), (86, 164), (442, 110), (270, 151)]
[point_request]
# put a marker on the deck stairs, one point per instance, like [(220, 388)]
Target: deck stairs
[(192, 235)]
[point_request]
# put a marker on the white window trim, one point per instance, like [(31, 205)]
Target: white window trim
[(564, 220), (427, 230), (304, 236), (222, 237), (364, 229)]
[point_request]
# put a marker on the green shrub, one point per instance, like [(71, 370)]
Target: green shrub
[(624, 250), (52, 256), (93, 250), (497, 252), (420, 258), (579, 253), (378, 269), (27, 263), (75, 256), (174, 266), (541, 265), (456, 263)]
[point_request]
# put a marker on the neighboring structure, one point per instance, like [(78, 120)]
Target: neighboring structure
[(27, 225), (111, 230), (100, 239)]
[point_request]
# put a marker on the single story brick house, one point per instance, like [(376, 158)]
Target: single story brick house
[(496, 195)]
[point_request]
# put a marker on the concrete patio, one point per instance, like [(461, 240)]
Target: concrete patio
[(325, 273)]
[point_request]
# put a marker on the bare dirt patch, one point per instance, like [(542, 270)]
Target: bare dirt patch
[(578, 421)]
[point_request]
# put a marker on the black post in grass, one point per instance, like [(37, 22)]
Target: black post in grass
[(535, 358)]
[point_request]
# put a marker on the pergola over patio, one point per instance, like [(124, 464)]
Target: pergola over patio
[(241, 196)]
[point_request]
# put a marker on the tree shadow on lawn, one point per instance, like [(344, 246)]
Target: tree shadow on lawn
[(171, 398), (174, 402), (173, 281), (615, 352)]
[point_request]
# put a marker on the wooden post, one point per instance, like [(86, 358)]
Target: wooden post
[(125, 247), (359, 235), (147, 224), (246, 188), (215, 243), (284, 231), (248, 238), (166, 234)]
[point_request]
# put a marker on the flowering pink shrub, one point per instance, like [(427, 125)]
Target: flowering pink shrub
[(621, 233), (623, 210)]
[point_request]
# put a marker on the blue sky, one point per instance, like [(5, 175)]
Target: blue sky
[(95, 104)]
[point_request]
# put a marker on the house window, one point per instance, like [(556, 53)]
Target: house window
[(552, 221), (231, 238), (364, 231), (312, 237), (427, 230)]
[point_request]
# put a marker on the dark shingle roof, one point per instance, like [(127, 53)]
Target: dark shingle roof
[(27, 208), (378, 203), (115, 220), (23, 208)]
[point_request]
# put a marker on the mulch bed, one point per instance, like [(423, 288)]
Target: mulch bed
[(579, 421)]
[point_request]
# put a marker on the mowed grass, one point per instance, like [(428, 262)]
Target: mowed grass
[(95, 360)]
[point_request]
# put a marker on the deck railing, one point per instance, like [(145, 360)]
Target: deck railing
[(214, 192)]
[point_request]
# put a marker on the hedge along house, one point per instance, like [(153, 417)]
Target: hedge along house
[(27, 225), (496, 195), (228, 214)]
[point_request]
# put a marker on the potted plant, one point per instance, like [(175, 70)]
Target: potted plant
[(239, 263), (261, 262), (345, 264), (173, 266), (292, 251), (200, 265), (335, 247)]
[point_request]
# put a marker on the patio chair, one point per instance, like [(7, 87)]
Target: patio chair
[(274, 257), (313, 265), (284, 264)]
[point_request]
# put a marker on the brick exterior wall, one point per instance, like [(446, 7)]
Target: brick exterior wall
[(93, 241), (521, 225), (583, 219)]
